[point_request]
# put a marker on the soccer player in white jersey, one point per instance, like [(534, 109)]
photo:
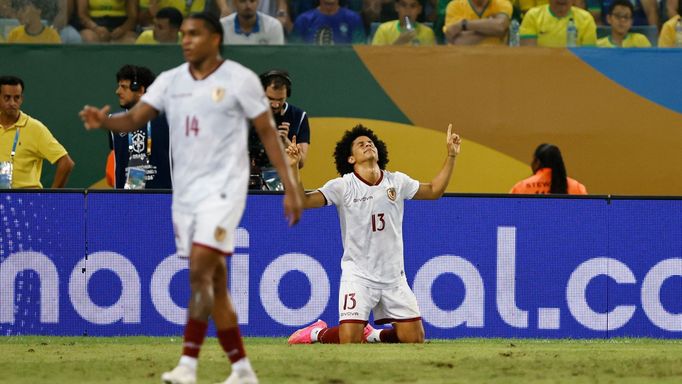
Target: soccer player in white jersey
[(207, 101), (369, 200)]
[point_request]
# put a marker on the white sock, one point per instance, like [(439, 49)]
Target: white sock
[(242, 366), (374, 336), (314, 333), (188, 361)]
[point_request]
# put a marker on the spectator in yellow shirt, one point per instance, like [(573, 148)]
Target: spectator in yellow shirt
[(545, 25), (149, 8), (25, 142), (667, 37), (32, 30), (399, 32), (474, 22), (108, 20), (620, 20), (166, 29)]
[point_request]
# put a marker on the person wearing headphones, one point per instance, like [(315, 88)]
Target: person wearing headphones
[(142, 157), (290, 121)]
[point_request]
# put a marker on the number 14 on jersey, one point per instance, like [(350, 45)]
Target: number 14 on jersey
[(191, 126)]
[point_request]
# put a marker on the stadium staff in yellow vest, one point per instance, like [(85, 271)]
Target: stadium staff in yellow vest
[(546, 25), (25, 142)]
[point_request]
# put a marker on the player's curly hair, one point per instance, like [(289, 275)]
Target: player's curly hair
[(344, 148)]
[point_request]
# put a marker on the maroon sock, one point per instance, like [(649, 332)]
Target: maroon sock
[(231, 341), (389, 336), (329, 336), (195, 331)]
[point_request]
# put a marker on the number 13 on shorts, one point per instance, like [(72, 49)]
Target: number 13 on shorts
[(349, 301)]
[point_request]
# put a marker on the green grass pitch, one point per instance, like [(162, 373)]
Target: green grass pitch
[(46, 359)]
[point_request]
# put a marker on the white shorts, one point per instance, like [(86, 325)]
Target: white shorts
[(211, 229), (389, 305)]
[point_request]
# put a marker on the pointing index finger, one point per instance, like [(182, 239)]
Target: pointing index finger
[(449, 131)]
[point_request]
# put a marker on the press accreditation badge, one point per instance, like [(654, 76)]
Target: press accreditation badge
[(135, 178), (6, 168)]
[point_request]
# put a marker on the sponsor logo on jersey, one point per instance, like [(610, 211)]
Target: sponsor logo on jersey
[(391, 193), (220, 233), (218, 94), (363, 199)]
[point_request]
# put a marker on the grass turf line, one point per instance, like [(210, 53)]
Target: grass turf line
[(32, 359)]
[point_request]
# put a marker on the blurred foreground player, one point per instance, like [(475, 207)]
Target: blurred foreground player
[(207, 101)]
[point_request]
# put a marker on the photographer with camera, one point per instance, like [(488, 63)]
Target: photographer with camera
[(290, 121)]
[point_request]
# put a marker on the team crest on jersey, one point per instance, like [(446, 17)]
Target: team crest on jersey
[(218, 94), (391, 193), (220, 234)]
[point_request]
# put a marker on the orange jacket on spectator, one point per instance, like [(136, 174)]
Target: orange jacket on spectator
[(541, 181), (110, 171)]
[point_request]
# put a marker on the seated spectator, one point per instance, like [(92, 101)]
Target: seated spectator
[(32, 30), (108, 20), (477, 22), (397, 33), (545, 25), (149, 9), (549, 175), (667, 38), (166, 29), (67, 23), (645, 12), (329, 24), (619, 18), (279, 9), (249, 26)]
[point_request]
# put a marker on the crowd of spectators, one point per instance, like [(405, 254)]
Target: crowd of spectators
[(553, 23)]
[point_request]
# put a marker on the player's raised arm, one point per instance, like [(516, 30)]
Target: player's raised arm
[(313, 199), (265, 128), (436, 188), (138, 116)]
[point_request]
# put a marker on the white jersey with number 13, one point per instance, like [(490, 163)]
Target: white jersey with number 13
[(371, 219)]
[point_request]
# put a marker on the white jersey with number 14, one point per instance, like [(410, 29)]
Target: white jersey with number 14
[(208, 131)]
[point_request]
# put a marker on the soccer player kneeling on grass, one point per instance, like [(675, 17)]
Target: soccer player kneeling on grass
[(369, 201)]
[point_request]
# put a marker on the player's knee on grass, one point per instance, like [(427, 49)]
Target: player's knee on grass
[(351, 333), (411, 332)]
